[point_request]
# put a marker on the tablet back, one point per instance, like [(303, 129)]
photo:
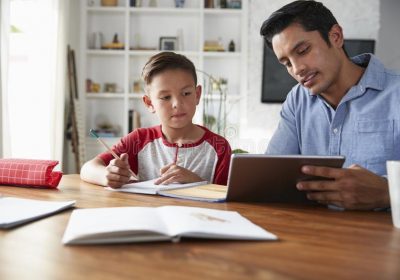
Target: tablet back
[(265, 178)]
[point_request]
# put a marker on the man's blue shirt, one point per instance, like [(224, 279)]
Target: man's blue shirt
[(365, 127)]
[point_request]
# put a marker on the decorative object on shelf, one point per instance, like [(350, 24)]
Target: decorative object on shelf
[(90, 3), (134, 120), (235, 4), (104, 128), (132, 3), (115, 44), (231, 46), (223, 4), (208, 3), (109, 3), (214, 93), (213, 46), (88, 85), (179, 3), (168, 43), (153, 3), (110, 87), (95, 88), (137, 86)]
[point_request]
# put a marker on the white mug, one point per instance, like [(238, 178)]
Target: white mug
[(393, 171)]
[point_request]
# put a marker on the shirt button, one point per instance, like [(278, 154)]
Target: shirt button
[(335, 130)]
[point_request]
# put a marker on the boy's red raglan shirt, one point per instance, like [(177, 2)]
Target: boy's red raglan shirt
[(149, 151)]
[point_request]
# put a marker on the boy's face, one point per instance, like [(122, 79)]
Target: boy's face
[(308, 58), (173, 96)]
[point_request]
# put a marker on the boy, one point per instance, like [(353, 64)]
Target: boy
[(175, 151), (341, 106)]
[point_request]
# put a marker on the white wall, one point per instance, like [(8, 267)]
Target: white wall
[(388, 46), (359, 19)]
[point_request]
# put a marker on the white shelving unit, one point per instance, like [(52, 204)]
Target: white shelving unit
[(140, 29)]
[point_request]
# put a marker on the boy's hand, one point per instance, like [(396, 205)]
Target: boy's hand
[(118, 172), (173, 173)]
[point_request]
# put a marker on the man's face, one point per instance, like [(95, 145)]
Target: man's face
[(308, 58), (173, 96)]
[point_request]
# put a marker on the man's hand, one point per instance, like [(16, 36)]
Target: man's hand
[(173, 173), (351, 188), (118, 172)]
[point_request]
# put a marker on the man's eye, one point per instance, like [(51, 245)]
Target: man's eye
[(304, 50), (288, 64)]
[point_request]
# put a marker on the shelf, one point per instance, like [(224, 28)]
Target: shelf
[(222, 54), (135, 95), (210, 11), (169, 11), (144, 26), (106, 9), (153, 52), (105, 95), (104, 52)]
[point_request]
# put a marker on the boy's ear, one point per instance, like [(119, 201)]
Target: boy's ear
[(336, 36), (198, 94), (147, 102)]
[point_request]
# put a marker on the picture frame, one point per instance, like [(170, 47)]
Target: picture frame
[(168, 43)]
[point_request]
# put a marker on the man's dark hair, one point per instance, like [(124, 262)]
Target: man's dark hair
[(311, 15), (167, 61)]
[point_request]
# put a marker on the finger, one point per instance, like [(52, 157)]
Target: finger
[(172, 179), (317, 186), (112, 169), (166, 168), (324, 196), (322, 171)]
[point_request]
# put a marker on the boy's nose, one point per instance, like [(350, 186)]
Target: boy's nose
[(176, 103)]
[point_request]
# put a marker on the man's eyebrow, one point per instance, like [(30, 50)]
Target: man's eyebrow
[(298, 44)]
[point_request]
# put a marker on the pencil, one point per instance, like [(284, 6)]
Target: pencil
[(93, 133)]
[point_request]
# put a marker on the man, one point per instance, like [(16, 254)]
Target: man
[(340, 106)]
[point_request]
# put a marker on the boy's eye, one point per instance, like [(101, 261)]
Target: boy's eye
[(186, 93), (167, 97), (287, 64)]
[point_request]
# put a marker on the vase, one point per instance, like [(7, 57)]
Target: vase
[(179, 3)]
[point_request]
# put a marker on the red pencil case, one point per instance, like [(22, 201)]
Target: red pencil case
[(29, 173)]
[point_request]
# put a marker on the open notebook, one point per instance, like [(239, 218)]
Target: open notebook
[(141, 224), (148, 187), (16, 211)]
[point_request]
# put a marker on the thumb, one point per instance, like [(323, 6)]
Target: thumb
[(125, 157)]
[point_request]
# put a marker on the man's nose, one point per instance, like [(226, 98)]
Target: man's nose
[(298, 68)]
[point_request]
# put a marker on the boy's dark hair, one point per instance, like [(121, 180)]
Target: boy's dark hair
[(167, 61), (311, 15)]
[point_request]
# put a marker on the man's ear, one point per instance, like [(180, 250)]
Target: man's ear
[(198, 94), (336, 36), (147, 102)]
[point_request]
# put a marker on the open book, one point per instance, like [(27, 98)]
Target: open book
[(140, 224), (148, 187), (16, 211)]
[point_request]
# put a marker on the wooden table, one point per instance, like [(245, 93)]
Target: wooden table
[(315, 243)]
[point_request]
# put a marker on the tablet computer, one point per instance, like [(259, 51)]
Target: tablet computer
[(266, 178)]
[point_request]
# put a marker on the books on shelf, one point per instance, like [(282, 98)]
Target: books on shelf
[(166, 223), (16, 211), (134, 120)]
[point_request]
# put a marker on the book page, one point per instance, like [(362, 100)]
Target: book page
[(114, 225), (15, 211), (210, 223), (148, 187)]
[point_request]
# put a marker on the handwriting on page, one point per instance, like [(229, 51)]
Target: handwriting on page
[(208, 218)]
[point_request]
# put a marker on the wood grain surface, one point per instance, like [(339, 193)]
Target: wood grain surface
[(314, 243)]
